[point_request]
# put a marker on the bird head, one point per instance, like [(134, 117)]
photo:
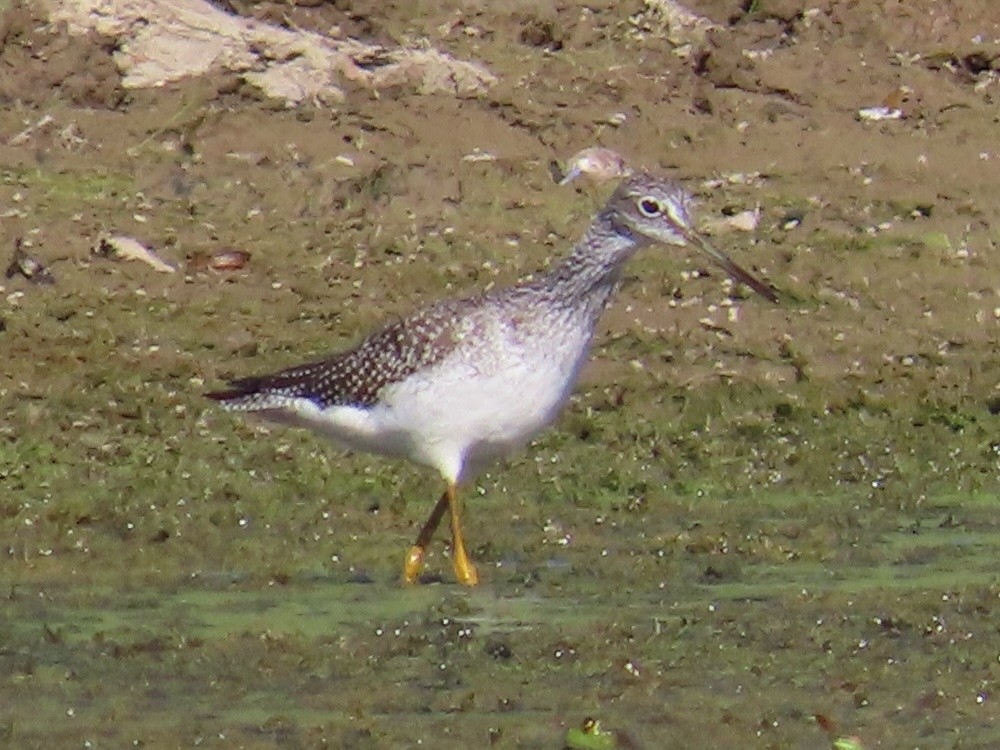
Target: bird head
[(659, 210)]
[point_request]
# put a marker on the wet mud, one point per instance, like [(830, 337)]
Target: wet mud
[(756, 525)]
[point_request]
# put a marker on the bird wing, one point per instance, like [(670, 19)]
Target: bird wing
[(355, 377)]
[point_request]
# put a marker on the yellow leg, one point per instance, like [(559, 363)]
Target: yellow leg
[(414, 562), (465, 571)]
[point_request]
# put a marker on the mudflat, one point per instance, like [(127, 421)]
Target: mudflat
[(756, 525)]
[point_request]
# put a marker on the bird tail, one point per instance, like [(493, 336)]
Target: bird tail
[(248, 394)]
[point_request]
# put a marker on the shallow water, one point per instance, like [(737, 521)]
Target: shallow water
[(895, 652), (756, 525)]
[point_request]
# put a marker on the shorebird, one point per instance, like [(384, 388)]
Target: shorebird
[(466, 381)]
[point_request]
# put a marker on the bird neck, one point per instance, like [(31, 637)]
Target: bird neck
[(589, 275)]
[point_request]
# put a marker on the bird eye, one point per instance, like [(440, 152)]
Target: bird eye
[(649, 207)]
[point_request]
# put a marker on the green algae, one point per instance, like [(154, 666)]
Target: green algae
[(741, 523)]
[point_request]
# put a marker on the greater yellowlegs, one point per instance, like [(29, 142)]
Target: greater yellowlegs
[(463, 382)]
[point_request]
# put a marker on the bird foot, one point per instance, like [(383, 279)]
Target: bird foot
[(465, 570), (413, 564)]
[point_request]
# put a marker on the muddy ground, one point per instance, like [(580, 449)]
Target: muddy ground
[(756, 526)]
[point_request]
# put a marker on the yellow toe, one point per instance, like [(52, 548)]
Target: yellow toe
[(465, 571), (413, 564)]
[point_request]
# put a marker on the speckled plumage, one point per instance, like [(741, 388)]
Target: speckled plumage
[(355, 377), (465, 381)]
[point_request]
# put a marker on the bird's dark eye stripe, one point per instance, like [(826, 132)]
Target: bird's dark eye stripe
[(649, 206)]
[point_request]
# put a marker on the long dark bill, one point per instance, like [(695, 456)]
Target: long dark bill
[(729, 266)]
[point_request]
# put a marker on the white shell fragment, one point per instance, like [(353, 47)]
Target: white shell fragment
[(876, 114), (744, 221), (477, 156), (127, 248), (25, 135), (596, 162)]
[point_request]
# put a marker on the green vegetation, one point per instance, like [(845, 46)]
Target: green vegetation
[(750, 518)]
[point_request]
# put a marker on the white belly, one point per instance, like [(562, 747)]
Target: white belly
[(463, 420)]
